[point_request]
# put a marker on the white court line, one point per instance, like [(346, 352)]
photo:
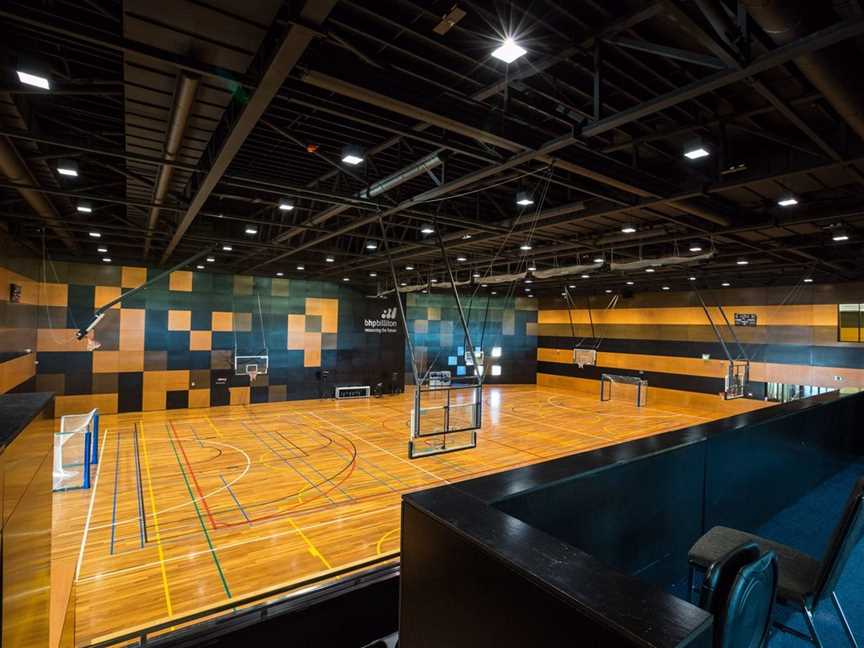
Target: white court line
[(90, 508)]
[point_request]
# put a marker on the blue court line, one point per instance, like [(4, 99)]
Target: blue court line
[(142, 524), (234, 497), (114, 504)]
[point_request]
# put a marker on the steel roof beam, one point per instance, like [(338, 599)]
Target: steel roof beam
[(239, 121)]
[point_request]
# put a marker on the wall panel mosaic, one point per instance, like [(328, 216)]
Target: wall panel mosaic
[(504, 322), (172, 344)]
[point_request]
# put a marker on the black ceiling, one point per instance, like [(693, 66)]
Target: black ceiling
[(190, 120)]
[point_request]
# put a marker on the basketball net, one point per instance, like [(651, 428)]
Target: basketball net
[(253, 374), (92, 344)]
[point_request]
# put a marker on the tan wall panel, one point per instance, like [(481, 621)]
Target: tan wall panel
[(59, 340), (328, 309), (792, 315), (79, 404), (179, 320), (200, 340), (239, 395), (759, 371), (104, 294), (199, 398), (16, 371), (153, 400), (180, 280), (133, 277), (222, 321)]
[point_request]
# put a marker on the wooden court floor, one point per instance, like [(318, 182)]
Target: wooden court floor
[(194, 507)]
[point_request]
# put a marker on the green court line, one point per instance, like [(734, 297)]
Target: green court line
[(201, 519)]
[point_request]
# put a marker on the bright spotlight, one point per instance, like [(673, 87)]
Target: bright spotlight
[(787, 201), (35, 80), (509, 51)]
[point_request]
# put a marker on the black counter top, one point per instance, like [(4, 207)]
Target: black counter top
[(17, 411)]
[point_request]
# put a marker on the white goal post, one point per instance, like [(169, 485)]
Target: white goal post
[(620, 387), (76, 448)]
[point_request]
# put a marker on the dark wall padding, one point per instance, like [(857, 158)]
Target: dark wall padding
[(571, 524)]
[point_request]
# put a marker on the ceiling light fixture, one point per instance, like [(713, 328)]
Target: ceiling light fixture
[(461, 258), (373, 274), (352, 154), (532, 267), (787, 201), (666, 288), (840, 235), (251, 230), (696, 149), (525, 247), (509, 51), (210, 259), (199, 267), (585, 276), (280, 274), (691, 278), (725, 284), (106, 259), (695, 247), (649, 269), (301, 267), (523, 198), (371, 245), (599, 259), (329, 259), (427, 228), (346, 279), (227, 248), (808, 280), (102, 250), (94, 234), (608, 291), (409, 267), (68, 168), (35, 80), (742, 262), (630, 283), (286, 205), (628, 229), (84, 207)]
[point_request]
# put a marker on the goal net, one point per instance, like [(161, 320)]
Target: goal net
[(630, 389), (737, 377), (76, 448)]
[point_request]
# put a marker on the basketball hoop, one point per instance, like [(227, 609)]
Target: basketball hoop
[(92, 343)]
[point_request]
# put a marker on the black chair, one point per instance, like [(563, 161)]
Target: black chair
[(804, 582), (739, 590)]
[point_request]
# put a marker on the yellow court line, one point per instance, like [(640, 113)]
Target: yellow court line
[(156, 522), (383, 538), (215, 429), (312, 548)]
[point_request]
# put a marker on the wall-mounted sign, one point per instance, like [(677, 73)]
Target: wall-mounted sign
[(745, 319), (385, 322)]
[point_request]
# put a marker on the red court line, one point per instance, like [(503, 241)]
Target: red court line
[(194, 478)]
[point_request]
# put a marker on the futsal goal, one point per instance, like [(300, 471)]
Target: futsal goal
[(630, 389), (76, 448)]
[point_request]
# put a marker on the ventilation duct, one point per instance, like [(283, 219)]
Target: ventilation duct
[(503, 278), (660, 261), (447, 284), (566, 270), (828, 70), (400, 177), (184, 97)]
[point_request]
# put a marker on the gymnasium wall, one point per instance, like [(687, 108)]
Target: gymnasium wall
[(493, 321), (17, 323), (172, 344), (663, 337)]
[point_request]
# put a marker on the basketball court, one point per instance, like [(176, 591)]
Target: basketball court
[(192, 508)]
